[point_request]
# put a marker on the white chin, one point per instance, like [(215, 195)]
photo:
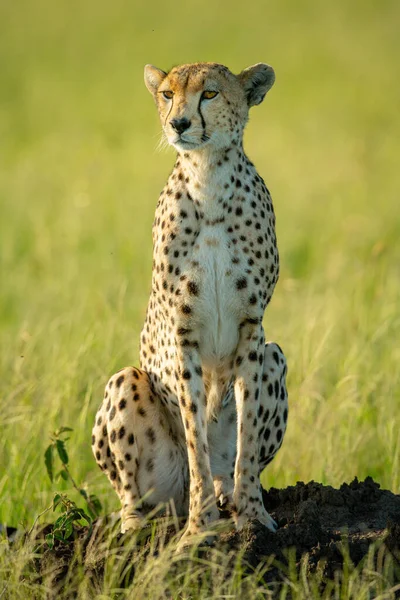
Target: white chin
[(185, 146)]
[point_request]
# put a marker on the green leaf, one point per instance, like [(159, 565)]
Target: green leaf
[(59, 524), (56, 501), (68, 531), (58, 535), (64, 475), (62, 453), (80, 514), (84, 494), (48, 461), (63, 430), (91, 513), (95, 505), (50, 540)]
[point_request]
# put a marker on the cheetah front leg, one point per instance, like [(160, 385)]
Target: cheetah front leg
[(202, 506), (249, 368), (222, 439)]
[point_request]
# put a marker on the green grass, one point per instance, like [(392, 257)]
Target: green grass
[(160, 574), (79, 180)]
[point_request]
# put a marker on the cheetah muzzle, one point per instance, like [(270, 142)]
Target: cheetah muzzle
[(207, 410)]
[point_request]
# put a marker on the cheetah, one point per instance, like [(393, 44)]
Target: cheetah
[(207, 409)]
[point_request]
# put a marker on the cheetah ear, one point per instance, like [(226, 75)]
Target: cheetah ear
[(256, 81), (153, 78)]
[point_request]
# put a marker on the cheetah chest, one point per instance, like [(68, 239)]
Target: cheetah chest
[(217, 308)]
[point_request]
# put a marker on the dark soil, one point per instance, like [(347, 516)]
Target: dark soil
[(322, 521), (313, 519)]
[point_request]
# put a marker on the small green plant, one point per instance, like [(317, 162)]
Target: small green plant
[(72, 517), (69, 522)]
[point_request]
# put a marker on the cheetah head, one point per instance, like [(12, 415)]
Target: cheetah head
[(204, 104)]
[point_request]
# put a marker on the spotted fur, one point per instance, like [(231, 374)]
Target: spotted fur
[(207, 410)]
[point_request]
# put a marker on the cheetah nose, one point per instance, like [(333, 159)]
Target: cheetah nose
[(180, 125)]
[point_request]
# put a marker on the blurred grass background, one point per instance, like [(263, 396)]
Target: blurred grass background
[(79, 180)]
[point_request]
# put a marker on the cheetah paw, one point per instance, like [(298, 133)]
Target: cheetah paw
[(189, 540), (260, 515), (132, 523)]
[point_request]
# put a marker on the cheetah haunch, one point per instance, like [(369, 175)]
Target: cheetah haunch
[(207, 410)]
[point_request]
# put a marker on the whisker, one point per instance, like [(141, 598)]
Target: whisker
[(162, 142)]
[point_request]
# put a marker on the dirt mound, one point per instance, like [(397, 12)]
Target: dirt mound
[(325, 523), (320, 521)]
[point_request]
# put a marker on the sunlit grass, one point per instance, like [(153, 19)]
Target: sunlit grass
[(79, 179), (142, 569)]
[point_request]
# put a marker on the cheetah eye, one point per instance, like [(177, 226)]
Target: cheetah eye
[(208, 95), (167, 95)]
